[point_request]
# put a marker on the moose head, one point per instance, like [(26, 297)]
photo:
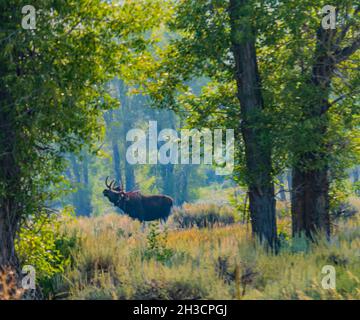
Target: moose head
[(116, 195)]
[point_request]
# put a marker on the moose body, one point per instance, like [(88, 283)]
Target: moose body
[(138, 206)]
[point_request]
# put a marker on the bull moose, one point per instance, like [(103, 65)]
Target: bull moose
[(138, 206)]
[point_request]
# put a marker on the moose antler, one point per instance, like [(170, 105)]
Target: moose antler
[(110, 186), (106, 182), (119, 186)]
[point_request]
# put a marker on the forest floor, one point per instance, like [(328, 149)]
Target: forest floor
[(117, 258)]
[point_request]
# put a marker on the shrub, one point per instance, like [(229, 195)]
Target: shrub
[(203, 216), (156, 245), (240, 201), (43, 245), (168, 290), (343, 210), (224, 270)]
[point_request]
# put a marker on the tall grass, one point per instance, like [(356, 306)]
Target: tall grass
[(113, 262), (203, 215)]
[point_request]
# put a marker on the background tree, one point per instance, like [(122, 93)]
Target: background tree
[(78, 173)]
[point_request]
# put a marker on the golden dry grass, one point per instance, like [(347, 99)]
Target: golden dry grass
[(219, 263), (9, 287)]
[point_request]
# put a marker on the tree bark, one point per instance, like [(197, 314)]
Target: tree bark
[(310, 191), (8, 229), (310, 206), (9, 183), (257, 152), (289, 182), (310, 202)]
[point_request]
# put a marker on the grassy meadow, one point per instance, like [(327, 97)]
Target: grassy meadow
[(115, 257)]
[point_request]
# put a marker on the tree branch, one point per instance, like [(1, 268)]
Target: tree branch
[(346, 28), (343, 96), (343, 54), (327, 105)]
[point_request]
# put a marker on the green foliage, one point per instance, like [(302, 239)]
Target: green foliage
[(339, 192), (54, 89), (356, 187), (198, 50), (43, 245), (54, 92), (240, 201), (156, 245), (295, 100)]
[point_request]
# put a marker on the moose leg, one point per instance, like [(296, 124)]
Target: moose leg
[(162, 224), (163, 221), (143, 226)]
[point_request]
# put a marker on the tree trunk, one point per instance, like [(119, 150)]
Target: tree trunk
[(86, 188), (167, 174), (76, 196), (310, 191), (130, 180), (257, 152), (289, 182), (167, 171), (8, 229), (282, 193), (9, 184), (310, 202), (182, 194), (355, 173), (116, 160), (129, 177), (112, 134)]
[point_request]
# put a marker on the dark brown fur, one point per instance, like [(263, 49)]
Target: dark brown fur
[(138, 206)]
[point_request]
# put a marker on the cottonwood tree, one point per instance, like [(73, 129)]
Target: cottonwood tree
[(274, 74), (52, 93), (249, 92), (314, 73), (217, 40)]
